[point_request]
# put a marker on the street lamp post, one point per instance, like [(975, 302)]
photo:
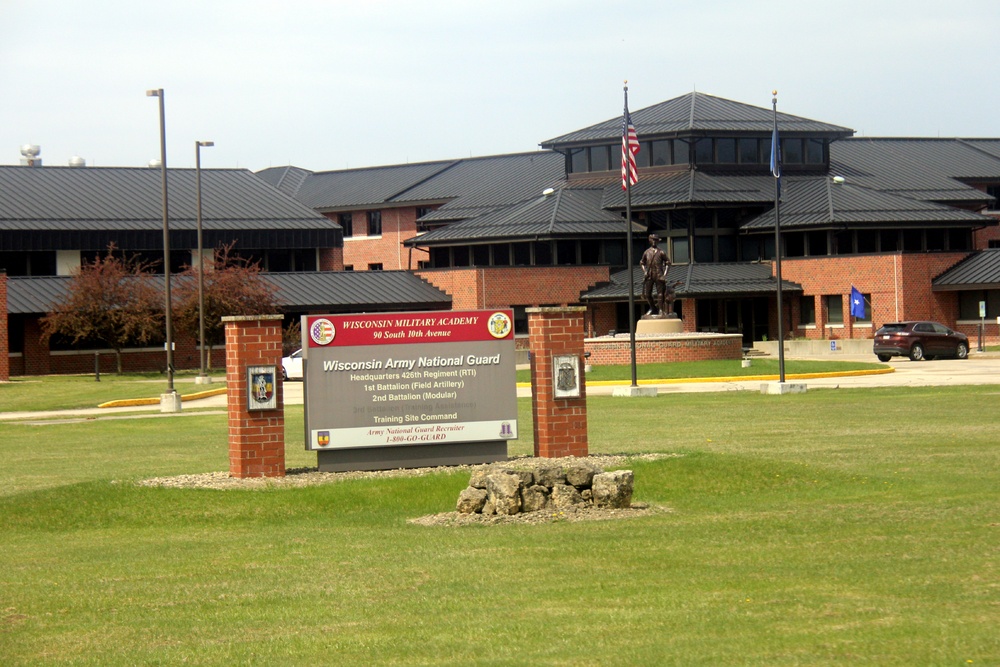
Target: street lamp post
[(202, 376), (170, 401)]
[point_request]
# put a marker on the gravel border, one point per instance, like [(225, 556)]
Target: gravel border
[(300, 477), (297, 477)]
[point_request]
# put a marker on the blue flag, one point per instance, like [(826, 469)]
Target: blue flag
[(857, 303), (775, 153)]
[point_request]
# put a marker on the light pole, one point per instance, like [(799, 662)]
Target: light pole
[(202, 377), (169, 402)]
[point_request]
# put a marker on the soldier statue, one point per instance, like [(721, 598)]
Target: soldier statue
[(655, 265)]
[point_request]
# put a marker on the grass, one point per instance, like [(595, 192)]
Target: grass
[(838, 526), (68, 392), (709, 369)]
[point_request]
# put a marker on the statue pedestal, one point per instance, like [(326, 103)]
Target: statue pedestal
[(659, 325)]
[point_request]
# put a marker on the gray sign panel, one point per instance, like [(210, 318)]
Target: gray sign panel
[(409, 379)]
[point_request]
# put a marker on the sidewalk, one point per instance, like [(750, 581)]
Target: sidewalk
[(978, 369)]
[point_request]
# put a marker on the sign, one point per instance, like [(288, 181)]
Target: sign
[(405, 379), (261, 394), (567, 376), (982, 309)]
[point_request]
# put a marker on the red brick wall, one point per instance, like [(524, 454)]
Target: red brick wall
[(601, 318), (331, 259), (899, 285), (256, 437), (502, 287), (560, 424), (398, 224), (38, 360), (4, 341), (617, 351)]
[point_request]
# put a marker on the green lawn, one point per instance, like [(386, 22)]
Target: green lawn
[(834, 527), (710, 369), (68, 392)]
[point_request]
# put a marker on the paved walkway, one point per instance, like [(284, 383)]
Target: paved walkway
[(978, 369)]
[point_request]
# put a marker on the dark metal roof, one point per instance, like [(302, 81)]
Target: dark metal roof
[(692, 187), (334, 291), (356, 291), (980, 270), (44, 208), (698, 113), (818, 202), (929, 169), (566, 213), (475, 185), (355, 188), (35, 295), (699, 281), (989, 146)]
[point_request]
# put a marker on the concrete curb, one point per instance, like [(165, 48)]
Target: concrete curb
[(131, 402)]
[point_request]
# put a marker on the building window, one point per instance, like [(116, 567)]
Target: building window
[(522, 254), (725, 150), (348, 267), (543, 253), (703, 153), (480, 255), (590, 252), (679, 250), (578, 161), (867, 241), (935, 239), (791, 151), (377, 266), (566, 252), (346, 221), (614, 253), (440, 257), (704, 251), (682, 151), (600, 159), (834, 308), (994, 191), (501, 254), (374, 223), (959, 239), (807, 311), (814, 151), (748, 151), (660, 153)]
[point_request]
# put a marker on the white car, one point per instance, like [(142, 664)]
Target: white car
[(291, 366)]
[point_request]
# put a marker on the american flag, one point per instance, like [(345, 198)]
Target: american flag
[(630, 146)]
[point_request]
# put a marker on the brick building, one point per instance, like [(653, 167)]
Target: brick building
[(53, 219), (909, 222), (887, 216)]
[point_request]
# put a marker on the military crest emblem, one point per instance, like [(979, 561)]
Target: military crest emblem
[(499, 325)]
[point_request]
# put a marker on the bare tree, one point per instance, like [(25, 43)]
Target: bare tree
[(114, 301), (233, 286)]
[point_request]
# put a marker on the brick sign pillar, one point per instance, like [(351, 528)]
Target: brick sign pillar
[(558, 401), (256, 436)]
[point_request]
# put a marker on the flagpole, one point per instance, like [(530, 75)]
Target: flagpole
[(628, 227), (776, 170)]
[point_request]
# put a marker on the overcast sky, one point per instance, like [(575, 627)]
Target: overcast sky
[(339, 84)]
